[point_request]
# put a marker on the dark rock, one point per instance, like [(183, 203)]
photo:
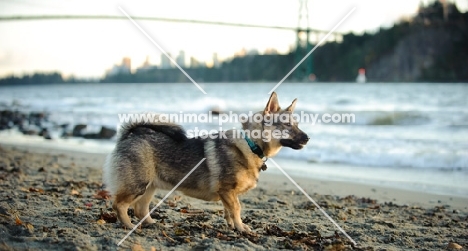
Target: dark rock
[(45, 133), (37, 118), (91, 136), (107, 133), (78, 130), (8, 119), (66, 134)]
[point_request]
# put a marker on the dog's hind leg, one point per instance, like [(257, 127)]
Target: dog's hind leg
[(232, 204), (142, 204), (227, 216), (120, 205)]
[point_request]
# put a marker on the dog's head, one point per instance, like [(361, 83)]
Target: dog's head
[(277, 126)]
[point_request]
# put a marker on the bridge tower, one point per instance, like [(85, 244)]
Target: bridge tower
[(305, 71)]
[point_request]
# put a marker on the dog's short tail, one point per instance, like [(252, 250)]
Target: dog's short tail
[(174, 131), (109, 178)]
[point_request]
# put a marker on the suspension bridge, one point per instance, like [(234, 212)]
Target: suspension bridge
[(305, 35)]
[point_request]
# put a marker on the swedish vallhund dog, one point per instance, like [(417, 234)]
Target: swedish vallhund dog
[(156, 155)]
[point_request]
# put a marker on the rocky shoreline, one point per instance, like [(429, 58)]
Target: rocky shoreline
[(40, 124)]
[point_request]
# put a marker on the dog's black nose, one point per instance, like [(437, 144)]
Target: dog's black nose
[(305, 138)]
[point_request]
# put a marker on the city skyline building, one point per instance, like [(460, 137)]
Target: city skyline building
[(181, 59), (166, 62), (124, 68)]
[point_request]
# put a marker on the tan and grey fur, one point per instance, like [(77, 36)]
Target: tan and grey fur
[(149, 156)]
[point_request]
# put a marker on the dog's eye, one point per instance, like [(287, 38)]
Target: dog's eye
[(288, 124)]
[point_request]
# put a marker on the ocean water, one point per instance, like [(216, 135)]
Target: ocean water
[(411, 128)]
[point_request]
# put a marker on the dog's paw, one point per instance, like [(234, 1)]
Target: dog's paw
[(243, 228), (128, 226), (149, 221), (230, 224)]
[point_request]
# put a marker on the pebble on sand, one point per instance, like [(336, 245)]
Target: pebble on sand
[(453, 246)]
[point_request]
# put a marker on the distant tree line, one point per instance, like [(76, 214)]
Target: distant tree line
[(239, 69), (41, 78), (36, 78), (430, 47)]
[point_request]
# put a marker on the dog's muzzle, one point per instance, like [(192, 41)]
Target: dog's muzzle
[(297, 142)]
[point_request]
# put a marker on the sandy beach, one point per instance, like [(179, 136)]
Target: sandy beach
[(53, 200)]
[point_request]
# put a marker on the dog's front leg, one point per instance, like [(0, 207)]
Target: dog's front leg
[(232, 212)]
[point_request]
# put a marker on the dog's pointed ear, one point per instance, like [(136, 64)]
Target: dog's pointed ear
[(292, 106), (272, 105)]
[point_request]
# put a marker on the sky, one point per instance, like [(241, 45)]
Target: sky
[(87, 48)]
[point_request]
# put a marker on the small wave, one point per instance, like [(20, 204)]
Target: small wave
[(399, 118), (364, 147), (440, 160)]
